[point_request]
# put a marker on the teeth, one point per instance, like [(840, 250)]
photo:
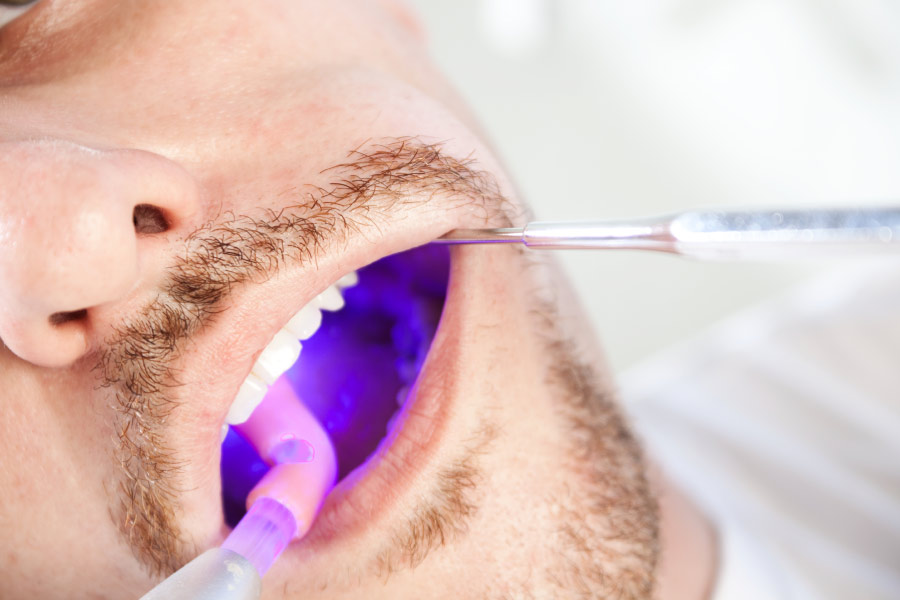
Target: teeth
[(305, 322), (348, 280), (284, 350), (330, 299), (248, 398), (281, 353)]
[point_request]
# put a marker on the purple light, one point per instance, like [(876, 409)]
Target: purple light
[(351, 371)]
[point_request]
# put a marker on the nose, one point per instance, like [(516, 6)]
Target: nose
[(78, 229)]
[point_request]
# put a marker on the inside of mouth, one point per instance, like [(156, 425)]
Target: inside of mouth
[(354, 374)]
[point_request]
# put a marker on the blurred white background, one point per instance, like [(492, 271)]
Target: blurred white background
[(612, 108)]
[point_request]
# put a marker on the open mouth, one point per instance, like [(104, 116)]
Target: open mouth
[(356, 367)]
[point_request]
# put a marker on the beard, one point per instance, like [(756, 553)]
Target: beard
[(604, 538)]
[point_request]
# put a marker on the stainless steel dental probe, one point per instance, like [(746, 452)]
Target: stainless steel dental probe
[(715, 234)]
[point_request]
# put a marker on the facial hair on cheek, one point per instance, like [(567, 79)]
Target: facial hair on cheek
[(607, 533), (612, 524)]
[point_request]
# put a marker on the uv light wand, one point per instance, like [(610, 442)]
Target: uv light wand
[(284, 503), (234, 570)]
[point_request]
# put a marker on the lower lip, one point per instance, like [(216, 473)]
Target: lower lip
[(367, 493)]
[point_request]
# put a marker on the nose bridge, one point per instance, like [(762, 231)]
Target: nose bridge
[(67, 221)]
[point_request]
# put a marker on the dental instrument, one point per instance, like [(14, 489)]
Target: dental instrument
[(283, 504), (234, 570), (714, 234)]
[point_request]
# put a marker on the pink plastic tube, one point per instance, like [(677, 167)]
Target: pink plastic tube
[(282, 506), (304, 466)]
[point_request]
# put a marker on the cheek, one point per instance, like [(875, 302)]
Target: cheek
[(30, 437), (53, 469)]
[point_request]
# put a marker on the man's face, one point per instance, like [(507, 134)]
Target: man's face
[(271, 148)]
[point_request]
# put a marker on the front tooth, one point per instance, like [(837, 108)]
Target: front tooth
[(348, 280), (279, 355), (252, 392), (330, 299), (305, 322)]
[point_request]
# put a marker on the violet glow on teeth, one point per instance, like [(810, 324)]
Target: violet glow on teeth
[(351, 372)]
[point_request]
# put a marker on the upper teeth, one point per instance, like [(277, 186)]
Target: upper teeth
[(284, 349), (282, 352), (305, 322), (330, 299), (252, 392), (348, 280)]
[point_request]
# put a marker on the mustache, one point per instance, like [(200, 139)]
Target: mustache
[(139, 362)]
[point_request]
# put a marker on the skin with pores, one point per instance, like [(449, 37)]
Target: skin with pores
[(260, 133)]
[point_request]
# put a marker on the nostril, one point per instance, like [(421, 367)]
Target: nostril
[(149, 219), (65, 317)]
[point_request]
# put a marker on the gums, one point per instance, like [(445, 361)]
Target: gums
[(362, 358)]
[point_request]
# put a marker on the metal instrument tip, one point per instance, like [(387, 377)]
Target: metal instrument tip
[(508, 235)]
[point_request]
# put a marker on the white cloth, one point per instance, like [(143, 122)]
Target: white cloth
[(784, 424), (746, 571)]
